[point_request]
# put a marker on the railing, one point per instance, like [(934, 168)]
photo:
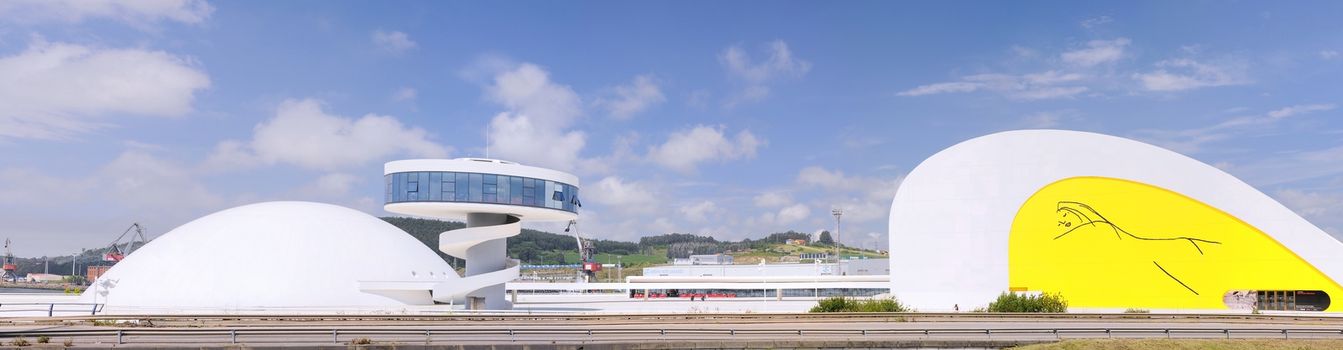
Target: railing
[(531, 317), (52, 309), (312, 335)]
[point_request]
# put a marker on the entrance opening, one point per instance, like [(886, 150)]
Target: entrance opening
[(1290, 300)]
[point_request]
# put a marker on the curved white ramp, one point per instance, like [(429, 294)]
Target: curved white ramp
[(457, 242), (481, 244)]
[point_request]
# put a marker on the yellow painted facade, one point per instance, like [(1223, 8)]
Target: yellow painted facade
[(1113, 243)]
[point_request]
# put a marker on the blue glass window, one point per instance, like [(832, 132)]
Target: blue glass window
[(398, 187), (462, 183), (477, 184), (503, 189), (438, 186), (435, 186), (516, 190)]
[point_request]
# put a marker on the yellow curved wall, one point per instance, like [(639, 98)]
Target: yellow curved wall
[(1113, 243)]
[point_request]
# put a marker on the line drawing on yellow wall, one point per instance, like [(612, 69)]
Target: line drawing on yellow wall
[(1087, 216)]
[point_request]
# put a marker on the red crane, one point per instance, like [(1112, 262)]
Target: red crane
[(9, 267)]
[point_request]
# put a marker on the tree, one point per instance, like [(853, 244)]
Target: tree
[(825, 238)]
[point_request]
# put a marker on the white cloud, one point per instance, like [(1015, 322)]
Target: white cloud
[(792, 214), (1187, 74), (394, 42), (699, 212), (1313, 205), (619, 194), (57, 90), (142, 181), (1093, 22), (1097, 52), (405, 94), (303, 134), (335, 183), (535, 128), (519, 138), (1299, 109), (527, 90), (772, 200), (756, 75), (1294, 166), (942, 88), (1044, 85), (835, 180), (1328, 54), (625, 101), (1190, 141), (139, 13), (1049, 119), (685, 150)]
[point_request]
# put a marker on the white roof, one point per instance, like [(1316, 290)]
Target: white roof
[(274, 254)]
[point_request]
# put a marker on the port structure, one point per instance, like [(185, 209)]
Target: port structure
[(495, 197)]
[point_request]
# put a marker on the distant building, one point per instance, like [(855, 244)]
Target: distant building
[(44, 278), (854, 267), (707, 259), (96, 271), (795, 242), (816, 256)]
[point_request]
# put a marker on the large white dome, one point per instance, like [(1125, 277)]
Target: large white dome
[(274, 254)]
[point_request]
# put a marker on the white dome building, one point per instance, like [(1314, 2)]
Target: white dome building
[(272, 255)]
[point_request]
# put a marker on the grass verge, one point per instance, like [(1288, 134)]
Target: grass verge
[(1191, 344)]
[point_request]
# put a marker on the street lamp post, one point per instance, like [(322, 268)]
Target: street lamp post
[(838, 212)]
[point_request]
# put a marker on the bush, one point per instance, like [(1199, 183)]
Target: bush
[(69, 342), (1136, 311), (842, 304), (1013, 302), (42, 339), (19, 341)]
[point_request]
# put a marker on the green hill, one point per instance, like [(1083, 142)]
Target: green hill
[(545, 248)]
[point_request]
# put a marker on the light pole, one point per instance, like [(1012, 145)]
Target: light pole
[(838, 212)]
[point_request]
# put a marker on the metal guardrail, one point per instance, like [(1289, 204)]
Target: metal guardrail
[(310, 335), (52, 308), (666, 317)]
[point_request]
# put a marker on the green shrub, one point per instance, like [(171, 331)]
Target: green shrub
[(842, 304), (42, 339), (1013, 302)]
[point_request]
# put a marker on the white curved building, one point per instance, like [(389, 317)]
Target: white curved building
[(495, 197), (271, 255), (1107, 222)]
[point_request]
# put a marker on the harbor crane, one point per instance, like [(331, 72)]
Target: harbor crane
[(10, 269), (114, 254), (588, 266)]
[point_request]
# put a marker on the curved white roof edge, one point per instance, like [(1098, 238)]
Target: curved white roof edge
[(479, 165), (988, 178), (271, 255)]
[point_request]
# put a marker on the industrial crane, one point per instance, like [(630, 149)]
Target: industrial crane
[(115, 254), (10, 269), (588, 266)]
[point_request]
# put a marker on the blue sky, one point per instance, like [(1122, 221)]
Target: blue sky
[(729, 119)]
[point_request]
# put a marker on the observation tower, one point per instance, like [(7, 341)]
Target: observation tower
[(495, 196)]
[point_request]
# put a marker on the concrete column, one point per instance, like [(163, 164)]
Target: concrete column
[(488, 257)]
